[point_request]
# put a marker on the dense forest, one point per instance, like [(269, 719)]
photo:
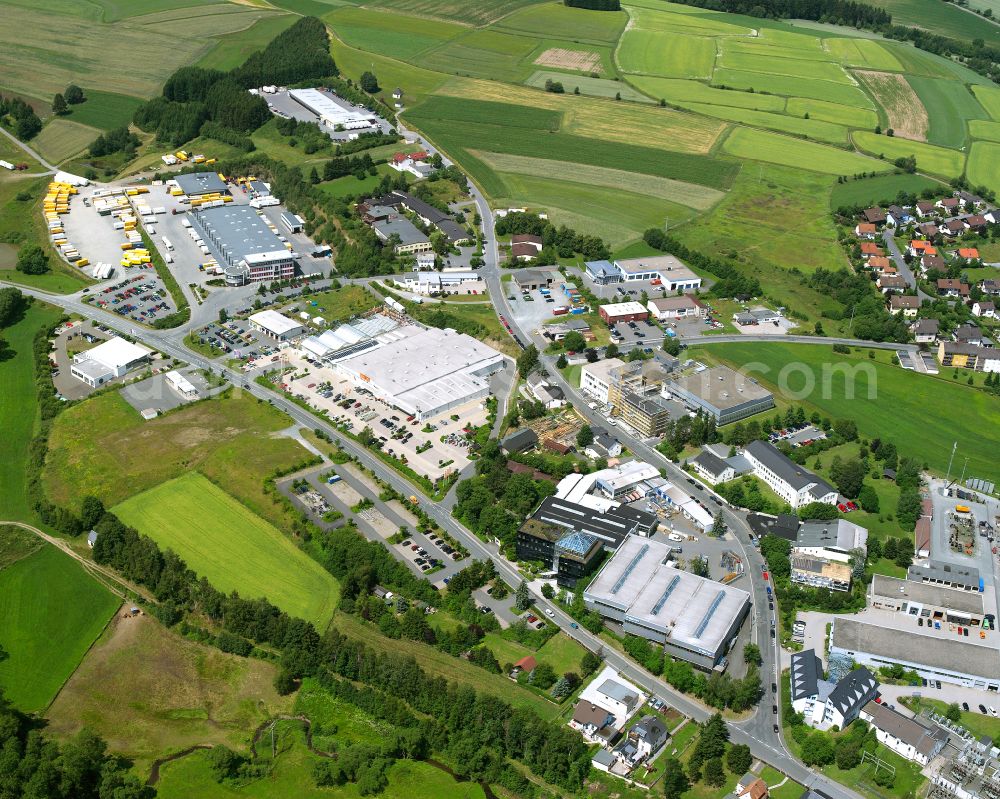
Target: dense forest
[(216, 103), (20, 117)]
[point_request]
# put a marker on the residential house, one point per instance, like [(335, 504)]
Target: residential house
[(951, 287), (904, 304), (969, 356), (645, 738), (976, 222), (869, 248), (993, 216), (970, 334), (927, 229), (968, 254), (528, 663), (525, 246), (932, 262), (91, 538), (712, 468), (906, 736), (669, 308), (604, 445), (865, 230), (896, 216), (919, 247), (793, 483), (550, 396), (874, 216), (750, 786), (594, 722), (925, 331), (825, 704), (925, 209), (621, 700), (887, 283), (414, 163), (971, 201), (990, 287), (948, 204), (880, 264), (984, 308), (952, 227)]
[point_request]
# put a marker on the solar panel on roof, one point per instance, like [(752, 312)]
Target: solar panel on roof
[(709, 613), (666, 594), (628, 569)]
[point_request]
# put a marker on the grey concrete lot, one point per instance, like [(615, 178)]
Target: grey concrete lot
[(154, 393), (283, 103), (503, 609), (92, 234), (534, 313), (139, 296), (643, 334)]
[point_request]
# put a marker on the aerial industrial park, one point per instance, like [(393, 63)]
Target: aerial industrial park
[(512, 413)]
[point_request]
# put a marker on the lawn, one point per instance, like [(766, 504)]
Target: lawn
[(206, 526), (51, 611), (898, 409), (18, 409), (790, 790), (391, 34), (758, 145), (178, 693), (562, 653), (670, 55), (881, 189), (984, 165), (104, 110), (338, 305), (930, 158), (350, 186)]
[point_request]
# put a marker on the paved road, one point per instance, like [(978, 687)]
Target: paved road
[(850, 342), (30, 152), (901, 265)]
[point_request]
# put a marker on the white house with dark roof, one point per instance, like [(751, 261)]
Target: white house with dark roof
[(712, 468), (904, 736), (825, 704), (793, 483)]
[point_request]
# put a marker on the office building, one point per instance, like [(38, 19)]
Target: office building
[(793, 483), (824, 703), (722, 393), (242, 242)]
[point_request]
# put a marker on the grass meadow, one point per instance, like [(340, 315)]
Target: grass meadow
[(897, 412), (235, 549), (576, 24), (232, 49), (51, 611), (682, 92), (388, 33), (881, 189), (669, 55), (760, 145), (104, 110), (989, 99), (930, 158), (984, 165), (813, 128), (461, 11), (950, 107), (791, 86), (588, 86), (63, 138)]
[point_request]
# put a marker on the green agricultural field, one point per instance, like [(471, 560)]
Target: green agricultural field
[(863, 53), (832, 112), (671, 55), (813, 128), (456, 110), (232, 49), (984, 129), (674, 18), (989, 99), (591, 87), (415, 82), (484, 54), (389, 34), (984, 165), (18, 409), (776, 65), (881, 189), (178, 693), (480, 13), (17, 543), (51, 611), (682, 92), (689, 194), (949, 106), (104, 110), (930, 158), (575, 24), (41, 52), (207, 527), (759, 145), (928, 438), (61, 138), (942, 18), (795, 46), (790, 86)]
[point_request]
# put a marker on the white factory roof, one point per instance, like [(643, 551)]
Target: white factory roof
[(421, 368), (115, 353), (328, 109), (691, 610), (623, 308), (617, 478), (180, 382), (276, 323)]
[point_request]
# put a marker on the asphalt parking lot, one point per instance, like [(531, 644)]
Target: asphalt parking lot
[(154, 393), (636, 334), (140, 296), (236, 339)]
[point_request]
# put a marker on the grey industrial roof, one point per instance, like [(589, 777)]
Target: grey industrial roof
[(928, 594), (944, 572), (612, 526), (798, 477), (601, 268), (925, 650), (784, 525), (832, 534), (852, 690), (690, 610), (722, 387), (521, 440), (239, 231), (194, 184), (910, 731), (401, 226), (806, 672), (617, 691)]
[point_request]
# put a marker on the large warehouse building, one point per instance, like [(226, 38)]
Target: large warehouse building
[(331, 113), (114, 358), (722, 393), (195, 184), (696, 619), (425, 372), (243, 243)]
